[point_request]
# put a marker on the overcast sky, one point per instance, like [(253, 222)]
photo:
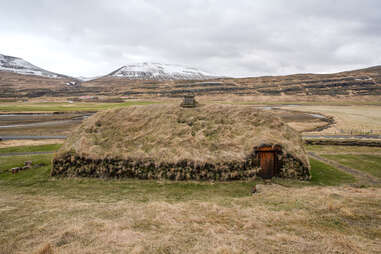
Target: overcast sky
[(228, 37)]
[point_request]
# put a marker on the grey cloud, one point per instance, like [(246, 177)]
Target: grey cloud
[(240, 38)]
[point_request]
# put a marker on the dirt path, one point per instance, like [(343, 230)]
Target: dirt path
[(360, 175)]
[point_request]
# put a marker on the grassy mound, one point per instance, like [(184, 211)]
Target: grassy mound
[(156, 136)]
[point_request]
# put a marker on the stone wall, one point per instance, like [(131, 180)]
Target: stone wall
[(292, 168), (72, 165), (333, 142)]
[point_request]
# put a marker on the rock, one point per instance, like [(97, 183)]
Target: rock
[(259, 188), (28, 163), (15, 170), (267, 181)]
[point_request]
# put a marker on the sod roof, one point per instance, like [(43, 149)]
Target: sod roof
[(169, 134)]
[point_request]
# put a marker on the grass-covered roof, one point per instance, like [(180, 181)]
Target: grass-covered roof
[(169, 134)]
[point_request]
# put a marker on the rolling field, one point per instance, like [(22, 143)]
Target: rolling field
[(329, 214), (350, 120)]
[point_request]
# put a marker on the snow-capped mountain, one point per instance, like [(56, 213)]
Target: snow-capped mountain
[(158, 71), (20, 66)]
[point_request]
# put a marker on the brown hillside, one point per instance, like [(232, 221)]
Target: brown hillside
[(350, 83), (19, 85)]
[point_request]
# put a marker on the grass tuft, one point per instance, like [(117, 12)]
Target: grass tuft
[(46, 249)]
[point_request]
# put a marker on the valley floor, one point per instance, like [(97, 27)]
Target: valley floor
[(40, 118), (336, 212)]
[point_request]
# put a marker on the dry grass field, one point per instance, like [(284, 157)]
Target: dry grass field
[(292, 100), (359, 119), (353, 115), (277, 220), (64, 106), (27, 142), (330, 214), (61, 128)]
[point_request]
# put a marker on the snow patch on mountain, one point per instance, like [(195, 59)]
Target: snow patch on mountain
[(20, 66), (158, 71)]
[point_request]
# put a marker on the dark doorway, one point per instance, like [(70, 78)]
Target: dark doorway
[(270, 165)]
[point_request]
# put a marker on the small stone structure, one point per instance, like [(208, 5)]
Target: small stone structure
[(266, 162), (189, 101), (27, 165)]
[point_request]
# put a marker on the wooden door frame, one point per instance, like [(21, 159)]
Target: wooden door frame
[(276, 150)]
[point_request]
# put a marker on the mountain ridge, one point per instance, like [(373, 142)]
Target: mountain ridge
[(23, 67), (19, 78), (159, 71)]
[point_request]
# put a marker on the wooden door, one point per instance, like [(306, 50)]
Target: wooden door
[(268, 164)]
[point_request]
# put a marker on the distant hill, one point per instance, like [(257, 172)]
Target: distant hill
[(19, 78), (357, 82), (350, 83)]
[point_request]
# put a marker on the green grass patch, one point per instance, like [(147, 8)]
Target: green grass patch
[(323, 174), (28, 149), (8, 162), (38, 181), (365, 162), (66, 107)]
